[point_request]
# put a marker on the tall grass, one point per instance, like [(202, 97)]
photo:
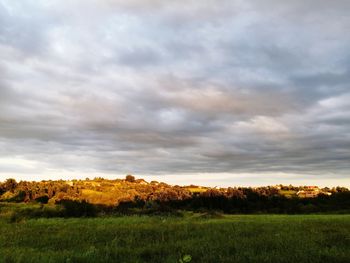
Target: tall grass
[(238, 238)]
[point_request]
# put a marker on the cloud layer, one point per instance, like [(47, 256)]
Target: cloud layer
[(161, 89)]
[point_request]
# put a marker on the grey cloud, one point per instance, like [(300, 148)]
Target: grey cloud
[(155, 88), (139, 57)]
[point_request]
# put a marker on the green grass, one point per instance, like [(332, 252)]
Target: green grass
[(236, 238)]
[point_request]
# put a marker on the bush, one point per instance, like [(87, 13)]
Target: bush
[(18, 198), (74, 208), (42, 199)]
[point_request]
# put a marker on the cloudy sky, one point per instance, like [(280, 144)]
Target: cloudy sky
[(237, 92)]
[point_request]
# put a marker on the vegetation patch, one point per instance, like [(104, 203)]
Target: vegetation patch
[(168, 239)]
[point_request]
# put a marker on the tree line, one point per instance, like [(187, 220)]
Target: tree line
[(130, 195)]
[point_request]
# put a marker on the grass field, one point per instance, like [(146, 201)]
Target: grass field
[(234, 238)]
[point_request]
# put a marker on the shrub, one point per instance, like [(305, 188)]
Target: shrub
[(42, 199), (74, 208)]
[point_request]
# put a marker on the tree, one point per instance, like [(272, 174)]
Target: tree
[(10, 184), (130, 178)]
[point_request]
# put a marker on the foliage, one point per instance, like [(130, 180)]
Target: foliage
[(44, 199), (185, 259), (76, 208), (130, 178), (9, 185), (130, 196)]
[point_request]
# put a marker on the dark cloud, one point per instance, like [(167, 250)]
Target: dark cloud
[(153, 88)]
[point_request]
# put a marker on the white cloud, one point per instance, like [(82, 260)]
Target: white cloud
[(262, 124)]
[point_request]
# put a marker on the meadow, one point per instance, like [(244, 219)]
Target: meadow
[(199, 236)]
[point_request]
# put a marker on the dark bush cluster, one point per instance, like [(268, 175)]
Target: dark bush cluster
[(251, 203), (76, 208)]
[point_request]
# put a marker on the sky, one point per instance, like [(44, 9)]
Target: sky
[(237, 92)]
